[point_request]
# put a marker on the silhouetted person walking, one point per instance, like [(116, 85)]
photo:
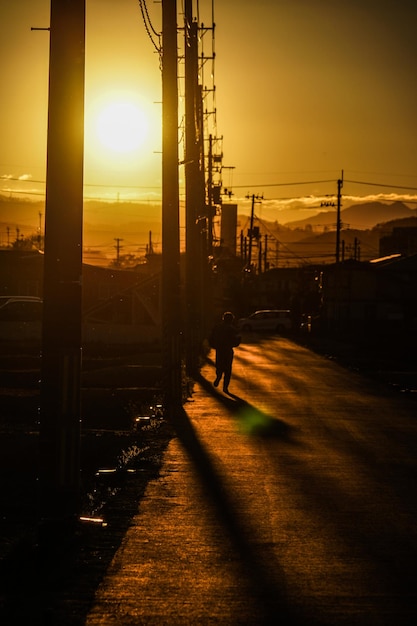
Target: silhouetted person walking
[(224, 338)]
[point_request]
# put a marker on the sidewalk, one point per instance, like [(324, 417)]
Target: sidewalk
[(188, 558)]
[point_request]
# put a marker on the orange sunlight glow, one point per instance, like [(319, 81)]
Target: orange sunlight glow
[(121, 126), (122, 134)]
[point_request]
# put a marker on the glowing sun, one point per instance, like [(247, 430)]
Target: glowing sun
[(121, 127)]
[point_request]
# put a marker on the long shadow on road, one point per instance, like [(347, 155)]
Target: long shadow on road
[(270, 595), (251, 420)]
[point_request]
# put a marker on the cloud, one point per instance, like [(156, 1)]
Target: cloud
[(382, 197), (13, 177)]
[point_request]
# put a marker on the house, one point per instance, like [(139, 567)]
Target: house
[(378, 297), (119, 305), (21, 272), (402, 240)]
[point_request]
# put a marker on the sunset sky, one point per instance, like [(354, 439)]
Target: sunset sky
[(304, 90)]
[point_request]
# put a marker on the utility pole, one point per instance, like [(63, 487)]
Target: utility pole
[(60, 413), (150, 244), (260, 257), (210, 197), (357, 250), (117, 240), (252, 216), (194, 212), (171, 301), (40, 232), (338, 223)]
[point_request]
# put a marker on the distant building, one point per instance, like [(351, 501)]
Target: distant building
[(295, 288), (372, 298), (119, 305), (21, 272), (402, 240)]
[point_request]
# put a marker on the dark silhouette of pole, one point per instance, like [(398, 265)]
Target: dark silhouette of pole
[(338, 223), (210, 197), (206, 289), (117, 246), (254, 198), (61, 340), (260, 257), (252, 214), (193, 212), (171, 300), (266, 264)]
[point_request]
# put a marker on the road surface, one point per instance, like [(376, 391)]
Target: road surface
[(291, 501)]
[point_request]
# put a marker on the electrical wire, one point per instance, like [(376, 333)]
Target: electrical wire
[(305, 182), (149, 28), (149, 19), (362, 182), (43, 182)]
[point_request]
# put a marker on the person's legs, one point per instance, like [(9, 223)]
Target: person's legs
[(227, 373), (219, 369)]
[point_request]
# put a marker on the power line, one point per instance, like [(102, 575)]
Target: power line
[(316, 182), (362, 182), (306, 182), (290, 184), (24, 193), (42, 182), (150, 30)]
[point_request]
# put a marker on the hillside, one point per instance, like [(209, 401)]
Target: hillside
[(309, 240), (358, 216), (322, 248), (289, 247), (103, 222)]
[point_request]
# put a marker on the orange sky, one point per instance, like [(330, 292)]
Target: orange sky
[(304, 89)]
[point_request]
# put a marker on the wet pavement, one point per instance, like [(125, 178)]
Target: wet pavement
[(292, 500)]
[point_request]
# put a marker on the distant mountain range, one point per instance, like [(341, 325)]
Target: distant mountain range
[(103, 222), (358, 216), (312, 238)]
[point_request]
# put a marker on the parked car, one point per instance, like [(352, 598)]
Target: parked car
[(272, 320), (20, 318)]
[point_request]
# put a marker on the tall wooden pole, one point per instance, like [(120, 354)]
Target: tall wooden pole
[(252, 215), (210, 197), (339, 221), (193, 210), (61, 342), (171, 300)]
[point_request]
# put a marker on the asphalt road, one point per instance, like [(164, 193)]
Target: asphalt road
[(291, 501)]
